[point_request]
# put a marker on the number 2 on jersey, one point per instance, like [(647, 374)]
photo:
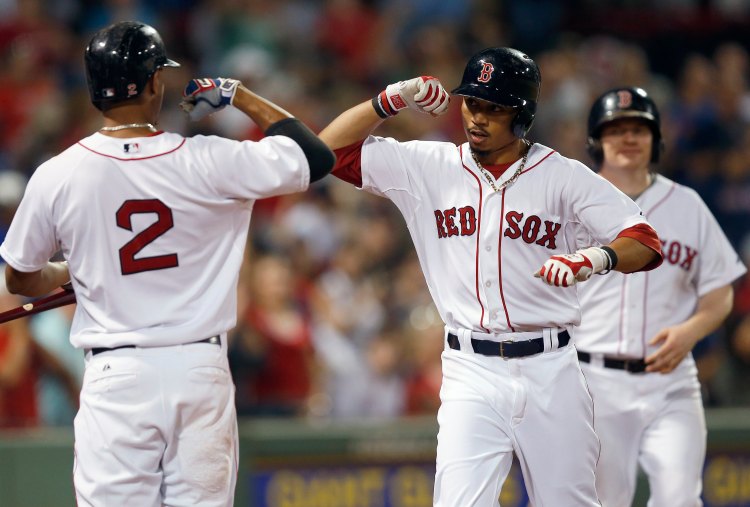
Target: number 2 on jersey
[(164, 221)]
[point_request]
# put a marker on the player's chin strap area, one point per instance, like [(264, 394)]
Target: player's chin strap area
[(508, 345)]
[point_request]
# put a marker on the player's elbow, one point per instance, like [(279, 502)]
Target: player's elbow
[(321, 160), (18, 282), (319, 157)]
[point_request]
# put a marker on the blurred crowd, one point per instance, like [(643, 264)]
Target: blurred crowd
[(334, 318)]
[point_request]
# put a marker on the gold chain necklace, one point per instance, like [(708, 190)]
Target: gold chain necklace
[(510, 180), (129, 126)]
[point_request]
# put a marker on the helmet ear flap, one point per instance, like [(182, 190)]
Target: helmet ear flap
[(594, 147), (657, 149), (522, 122)]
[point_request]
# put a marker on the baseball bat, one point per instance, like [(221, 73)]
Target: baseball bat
[(56, 300)]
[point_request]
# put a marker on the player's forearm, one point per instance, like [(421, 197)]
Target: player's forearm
[(263, 112), (351, 126), (632, 255), (712, 309), (37, 283)]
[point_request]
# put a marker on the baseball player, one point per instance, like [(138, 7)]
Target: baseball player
[(485, 217), (637, 331), (153, 226)]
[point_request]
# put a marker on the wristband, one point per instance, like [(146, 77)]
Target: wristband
[(611, 256)]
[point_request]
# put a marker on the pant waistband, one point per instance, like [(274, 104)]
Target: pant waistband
[(629, 365), (214, 340), (507, 348)]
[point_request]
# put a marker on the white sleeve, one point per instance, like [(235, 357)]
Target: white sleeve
[(600, 207), (386, 164), (31, 240), (718, 262), (275, 165)]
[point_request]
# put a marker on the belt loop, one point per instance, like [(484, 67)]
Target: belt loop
[(550, 340), (464, 338)]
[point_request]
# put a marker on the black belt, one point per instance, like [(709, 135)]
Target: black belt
[(214, 340), (629, 365), (508, 348)]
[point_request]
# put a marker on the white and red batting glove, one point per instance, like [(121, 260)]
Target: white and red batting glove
[(206, 96), (568, 269), (424, 94)]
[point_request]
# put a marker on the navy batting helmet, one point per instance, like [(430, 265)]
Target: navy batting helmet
[(506, 77), (120, 59), (619, 103)]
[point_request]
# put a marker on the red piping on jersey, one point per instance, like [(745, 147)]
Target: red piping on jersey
[(622, 315), (499, 261), (542, 160), (666, 196), (133, 159), (479, 229)]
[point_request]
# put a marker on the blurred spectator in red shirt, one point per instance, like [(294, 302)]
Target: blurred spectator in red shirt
[(271, 354)]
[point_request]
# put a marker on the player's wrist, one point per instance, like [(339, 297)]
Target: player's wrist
[(228, 89), (600, 260), (611, 259), (382, 106)]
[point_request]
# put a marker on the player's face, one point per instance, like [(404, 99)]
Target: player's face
[(627, 144), (487, 125)]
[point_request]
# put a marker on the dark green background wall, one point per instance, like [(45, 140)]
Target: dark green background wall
[(287, 463)]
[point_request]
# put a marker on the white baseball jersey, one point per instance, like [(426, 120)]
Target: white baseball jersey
[(621, 314), (493, 242), (650, 419), (479, 249), (153, 228)]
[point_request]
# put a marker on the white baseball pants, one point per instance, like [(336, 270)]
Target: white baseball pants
[(157, 426), (655, 420), (538, 407)]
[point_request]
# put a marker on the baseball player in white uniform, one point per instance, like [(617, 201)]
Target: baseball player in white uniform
[(485, 217), (637, 331), (153, 228)]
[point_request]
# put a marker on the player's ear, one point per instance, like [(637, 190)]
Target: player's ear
[(155, 82)]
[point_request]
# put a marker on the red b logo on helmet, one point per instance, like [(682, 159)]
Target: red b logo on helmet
[(486, 74), (625, 99)]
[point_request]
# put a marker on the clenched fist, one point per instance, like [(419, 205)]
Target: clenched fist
[(565, 270), (424, 94), (207, 95)]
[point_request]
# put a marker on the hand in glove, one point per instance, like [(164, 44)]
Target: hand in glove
[(206, 96), (565, 270), (424, 94)]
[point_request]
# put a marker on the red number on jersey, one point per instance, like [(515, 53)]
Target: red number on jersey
[(128, 263)]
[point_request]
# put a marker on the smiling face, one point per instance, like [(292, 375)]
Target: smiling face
[(488, 128), (627, 144)]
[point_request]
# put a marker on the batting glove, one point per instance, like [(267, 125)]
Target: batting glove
[(568, 269), (424, 94), (206, 96)]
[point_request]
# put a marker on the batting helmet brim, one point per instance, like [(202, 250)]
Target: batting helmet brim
[(499, 97), (611, 116)]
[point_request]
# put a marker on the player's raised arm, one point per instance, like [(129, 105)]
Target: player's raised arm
[(424, 94), (208, 95)]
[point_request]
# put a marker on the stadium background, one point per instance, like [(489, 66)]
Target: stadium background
[(336, 355)]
